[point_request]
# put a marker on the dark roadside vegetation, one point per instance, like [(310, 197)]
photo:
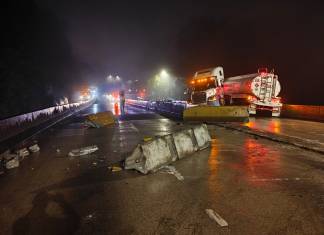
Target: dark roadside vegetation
[(35, 59)]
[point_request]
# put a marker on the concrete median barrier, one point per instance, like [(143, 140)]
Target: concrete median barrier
[(152, 155), (149, 156), (216, 114), (185, 143), (202, 136)]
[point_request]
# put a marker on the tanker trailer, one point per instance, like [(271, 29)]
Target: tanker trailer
[(259, 91)]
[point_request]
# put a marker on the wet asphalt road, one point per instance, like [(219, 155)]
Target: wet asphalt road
[(257, 186), (306, 130)]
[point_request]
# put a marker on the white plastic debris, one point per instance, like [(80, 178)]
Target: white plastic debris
[(89, 218), (216, 217), (83, 151), (22, 152), (13, 163), (34, 148)]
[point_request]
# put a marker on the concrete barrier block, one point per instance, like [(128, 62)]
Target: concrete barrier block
[(149, 156), (216, 114), (202, 136), (172, 147), (136, 160), (185, 143), (153, 154)]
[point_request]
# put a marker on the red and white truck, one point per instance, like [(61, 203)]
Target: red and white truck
[(259, 91)]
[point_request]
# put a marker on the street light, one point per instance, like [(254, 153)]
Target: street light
[(164, 73)]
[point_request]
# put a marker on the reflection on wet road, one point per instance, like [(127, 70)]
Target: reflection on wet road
[(307, 130)]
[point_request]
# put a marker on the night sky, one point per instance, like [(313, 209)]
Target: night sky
[(135, 39)]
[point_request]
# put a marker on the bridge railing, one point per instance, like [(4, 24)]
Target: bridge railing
[(14, 125)]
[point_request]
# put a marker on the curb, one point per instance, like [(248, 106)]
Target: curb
[(297, 142)]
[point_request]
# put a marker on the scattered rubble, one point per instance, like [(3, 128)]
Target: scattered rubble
[(10, 160), (13, 163), (34, 148), (83, 151), (22, 153)]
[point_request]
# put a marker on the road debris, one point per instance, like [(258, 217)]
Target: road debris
[(34, 148), (22, 153), (115, 168), (100, 119), (160, 151), (83, 151), (89, 218), (147, 139), (172, 171), (94, 164), (58, 150), (214, 216), (13, 163)]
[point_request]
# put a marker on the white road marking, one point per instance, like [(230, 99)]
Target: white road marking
[(214, 216)]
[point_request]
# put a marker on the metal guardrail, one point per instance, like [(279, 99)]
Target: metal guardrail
[(171, 108), (12, 126)]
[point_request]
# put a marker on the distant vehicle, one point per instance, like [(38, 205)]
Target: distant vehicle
[(151, 105), (259, 91)]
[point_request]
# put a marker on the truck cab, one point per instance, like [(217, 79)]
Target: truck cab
[(206, 86)]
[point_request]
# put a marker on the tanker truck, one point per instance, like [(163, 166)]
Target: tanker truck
[(258, 91)]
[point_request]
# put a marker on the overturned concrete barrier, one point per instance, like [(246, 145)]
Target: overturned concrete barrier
[(185, 143), (202, 136), (151, 155)]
